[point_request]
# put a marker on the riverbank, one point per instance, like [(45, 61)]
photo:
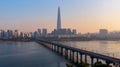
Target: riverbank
[(17, 40)]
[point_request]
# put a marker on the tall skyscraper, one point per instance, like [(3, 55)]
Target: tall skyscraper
[(59, 30), (44, 31), (58, 19)]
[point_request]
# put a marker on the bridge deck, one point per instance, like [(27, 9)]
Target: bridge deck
[(91, 54)]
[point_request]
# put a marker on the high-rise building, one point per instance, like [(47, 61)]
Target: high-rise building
[(61, 31), (21, 35), (39, 32), (35, 35), (74, 31), (16, 34), (103, 33), (3, 34), (44, 32), (58, 19), (9, 34)]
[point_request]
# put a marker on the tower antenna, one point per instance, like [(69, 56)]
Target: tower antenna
[(59, 1)]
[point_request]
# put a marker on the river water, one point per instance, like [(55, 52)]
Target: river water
[(28, 54), (32, 54)]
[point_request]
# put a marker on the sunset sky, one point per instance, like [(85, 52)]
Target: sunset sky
[(83, 15)]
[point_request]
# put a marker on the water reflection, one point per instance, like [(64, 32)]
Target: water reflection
[(28, 54), (103, 42)]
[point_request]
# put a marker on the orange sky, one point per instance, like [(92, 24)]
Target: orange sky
[(82, 15)]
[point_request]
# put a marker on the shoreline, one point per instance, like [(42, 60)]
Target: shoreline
[(27, 40), (17, 40)]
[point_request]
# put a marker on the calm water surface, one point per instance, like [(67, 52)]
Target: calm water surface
[(31, 54), (28, 54), (110, 48)]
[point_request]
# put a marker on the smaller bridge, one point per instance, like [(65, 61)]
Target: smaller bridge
[(76, 55)]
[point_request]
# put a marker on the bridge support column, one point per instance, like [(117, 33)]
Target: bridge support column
[(92, 60), (80, 57), (73, 57), (108, 63), (52, 47), (70, 54), (97, 60), (61, 51), (85, 58), (57, 49), (116, 64), (76, 57), (66, 53)]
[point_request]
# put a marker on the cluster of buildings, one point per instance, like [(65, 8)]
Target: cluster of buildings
[(40, 33), (16, 35), (103, 34), (9, 34)]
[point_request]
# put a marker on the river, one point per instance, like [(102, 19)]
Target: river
[(28, 54), (32, 54)]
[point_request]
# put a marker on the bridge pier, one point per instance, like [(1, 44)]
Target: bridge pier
[(80, 57), (57, 49), (61, 51), (108, 63), (70, 55), (92, 61), (73, 57), (77, 57), (97, 59), (117, 64), (52, 47), (85, 58), (66, 53)]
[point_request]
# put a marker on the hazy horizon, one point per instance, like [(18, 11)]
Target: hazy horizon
[(83, 15)]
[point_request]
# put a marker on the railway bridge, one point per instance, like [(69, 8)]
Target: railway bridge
[(77, 55)]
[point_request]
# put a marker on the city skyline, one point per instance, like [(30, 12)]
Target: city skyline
[(85, 16)]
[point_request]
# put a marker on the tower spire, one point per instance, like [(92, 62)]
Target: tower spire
[(58, 19)]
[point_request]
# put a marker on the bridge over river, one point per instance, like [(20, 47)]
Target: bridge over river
[(76, 55)]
